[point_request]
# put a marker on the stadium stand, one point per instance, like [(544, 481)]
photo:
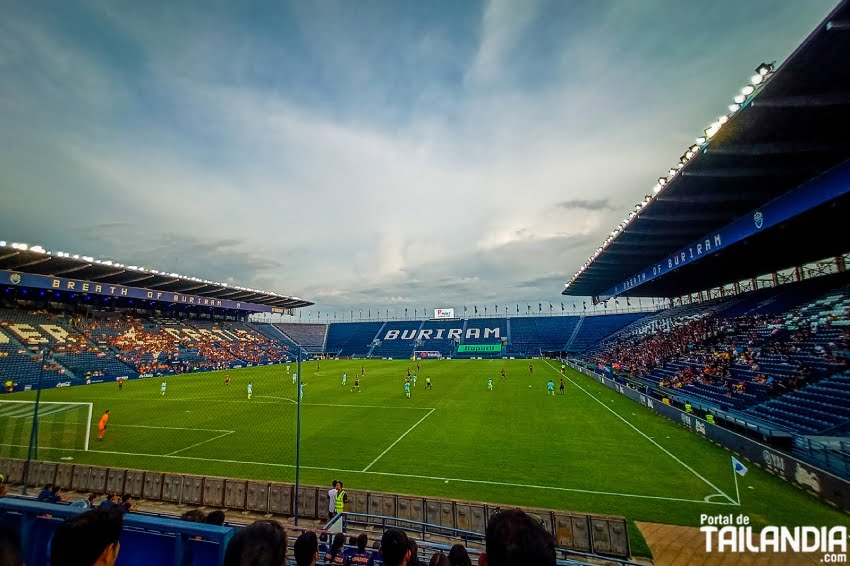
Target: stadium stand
[(311, 337), (351, 339)]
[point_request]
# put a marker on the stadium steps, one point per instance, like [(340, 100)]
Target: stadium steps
[(575, 333), (463, 331), (375, 339)]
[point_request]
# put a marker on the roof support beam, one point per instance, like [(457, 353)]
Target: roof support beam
[(71, 269), (34, 262), (779, 148), (745, 172), (838, 25), (160, 284), (137, 279), (810, 101)]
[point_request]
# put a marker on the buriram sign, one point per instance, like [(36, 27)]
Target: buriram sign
[(443, 334), (105, 289)]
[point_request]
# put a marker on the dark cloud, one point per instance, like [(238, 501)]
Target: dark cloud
[(584, 204)]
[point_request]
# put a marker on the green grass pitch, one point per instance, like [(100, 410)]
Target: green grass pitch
[(588, 451)]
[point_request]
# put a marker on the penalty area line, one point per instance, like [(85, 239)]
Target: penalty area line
[(397, 440), (200, 443)]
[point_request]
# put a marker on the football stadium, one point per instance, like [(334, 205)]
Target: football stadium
[(682, 398)]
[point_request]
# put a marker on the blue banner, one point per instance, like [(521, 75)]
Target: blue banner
[(111, 290), (814, 193)]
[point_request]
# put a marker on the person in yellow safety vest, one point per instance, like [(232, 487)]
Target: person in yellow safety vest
[(340, 500), (709, 418), (688, 407)]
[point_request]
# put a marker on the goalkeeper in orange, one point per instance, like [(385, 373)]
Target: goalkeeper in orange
[(101, 425)]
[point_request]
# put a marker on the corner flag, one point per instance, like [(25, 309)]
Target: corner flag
[(739, 468)]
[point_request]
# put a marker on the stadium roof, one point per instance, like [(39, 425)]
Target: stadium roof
[(786, 128), (38, 261)]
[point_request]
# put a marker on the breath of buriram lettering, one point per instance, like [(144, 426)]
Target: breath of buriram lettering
[(733, 533), (86, 287), (674, 260)]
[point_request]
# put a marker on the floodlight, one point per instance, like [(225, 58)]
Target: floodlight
[(701, 140), (748, 90), (764, 69), (740, 99), (723, 119), (671, 172), (734, 107)]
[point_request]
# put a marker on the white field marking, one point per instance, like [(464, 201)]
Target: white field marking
[(202, 442), (397, 440), (171, 428), (640, 432), (391, 474), (351, 406), (229, 400)]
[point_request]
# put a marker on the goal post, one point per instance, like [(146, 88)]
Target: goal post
[(61, 425)]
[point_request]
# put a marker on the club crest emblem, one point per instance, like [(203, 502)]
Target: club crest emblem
[(758, 218)]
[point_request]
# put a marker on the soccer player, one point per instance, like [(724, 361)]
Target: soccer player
[(427, 383), (344, 378), (408, 371), (530, 368), (356, 384), (407, 389), (562, 386), (414, 380), (120, 383), (162, 389), (550, 388), (294, 378), (227, 379), (504, 375), (362, 370), (301, 390), (563, 369), (250, 390), (490, 384), (287, 368), (418, 367), (317, 365), (101, 425)]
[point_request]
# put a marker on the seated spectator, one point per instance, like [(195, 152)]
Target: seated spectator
[(194, 516), (395, 548), (515, 539), (108, 502), (215, 518), (86, 503), (359, 557), (127, 504), (10, 548), (336, 553), (414, 553), (55, 496), (458, 556), (260, 544), (45, 493), (89, 539), (439, 559), (306, 549)]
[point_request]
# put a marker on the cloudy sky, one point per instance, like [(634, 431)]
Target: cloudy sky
[(391, 154)]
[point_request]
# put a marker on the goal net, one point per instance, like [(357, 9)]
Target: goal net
[(60, 426)]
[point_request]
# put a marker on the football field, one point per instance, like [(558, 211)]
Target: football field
[(588, 450)]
